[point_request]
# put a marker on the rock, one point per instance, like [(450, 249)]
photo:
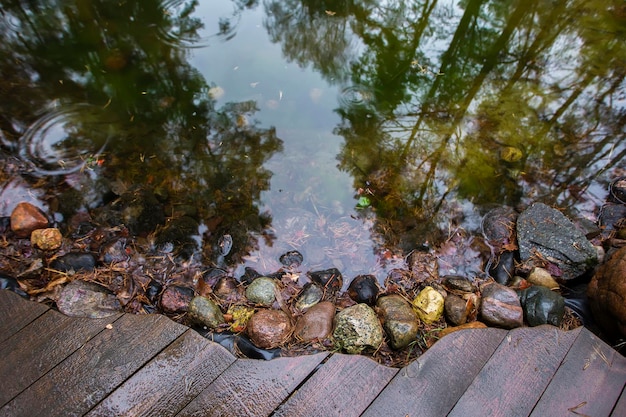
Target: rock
[(542, 306), (607, 292), (268, 329), (175, 299), (262, 291), (458, 283), (46, 239), (429, 305), (330, 279), (291, 259), (204, 311), (503, 268), (115, 251), (74, 261), (86, 299), (399, 320), (316, 323), (539, 276), (249, 275), (471, 325), (548, 239), (498, 227), (310, 295), (209, 279), (25, 218), (500, 306), (357, 328), (456, 310), (364, 289), (225, 287)]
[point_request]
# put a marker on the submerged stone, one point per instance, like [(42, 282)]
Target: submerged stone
[(291, 259), (357, 328), (399, 320)]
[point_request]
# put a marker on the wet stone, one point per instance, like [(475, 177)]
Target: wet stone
[(500, 306), (175, 299), (316, 323), (262, 291), (330, 279), (549, 239), (249, 275), (607, 292), (364, 289), (310, 295), (268, 329), (46, 239), (429, 305), (503, 268), (399, 320), (542, 306), (456, 310), (205, 311), (25, 218), (357, 328), (86, 299), (291, 259), (74, 261), (539, 276), (225, 287), (498, 227), (458, 283)]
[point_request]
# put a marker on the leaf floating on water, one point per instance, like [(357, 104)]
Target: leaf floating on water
[(330, 13)]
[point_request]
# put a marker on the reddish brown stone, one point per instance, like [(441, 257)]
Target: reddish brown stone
[(25, 218), (316, 323), (176, 299), (268, 329), (607, 292)]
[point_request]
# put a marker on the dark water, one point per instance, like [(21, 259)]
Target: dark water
[(352, 131)]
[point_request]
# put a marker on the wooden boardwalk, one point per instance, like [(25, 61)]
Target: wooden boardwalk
[(129, 365)]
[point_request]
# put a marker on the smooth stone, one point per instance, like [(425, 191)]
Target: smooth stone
[(470, 325), (74, 261), (330, 279), (498, 227), (46, 239), (399, 320), (607, 292), (550, 240), (268, 329), (175, 299), (87, 299), (225, 286), (364, 289), (542, 306), (25, 218), (310, 295), (429, 305), (458, 283), (455, 309), (262, 291), (357, 328), (500, 306), (540, 276), (316, 323), (503, 268), (291, 259), (204, 311)]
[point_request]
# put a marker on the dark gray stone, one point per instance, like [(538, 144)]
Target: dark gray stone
[(542, 306), (548, 239)]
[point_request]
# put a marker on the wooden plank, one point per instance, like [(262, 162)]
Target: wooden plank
[(432, 384), (16, 312), (343, 386), (40, 346), (251, 387), (620, 408), (512, 381), (75, 385), (589, 381), (170, 381)]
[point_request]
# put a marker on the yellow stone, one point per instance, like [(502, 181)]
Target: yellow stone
[(429, 305), (46, 239)]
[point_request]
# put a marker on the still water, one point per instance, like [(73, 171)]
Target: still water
[(351, 131)]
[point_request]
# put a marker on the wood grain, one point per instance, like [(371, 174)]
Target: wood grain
[(514, 378), (92, 372), (251, 387), (589, 381), (343, 386), (431, 385), (40, 346), (170, 381), (16, 313)]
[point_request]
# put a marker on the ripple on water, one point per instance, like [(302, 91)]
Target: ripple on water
[(65, 139)]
